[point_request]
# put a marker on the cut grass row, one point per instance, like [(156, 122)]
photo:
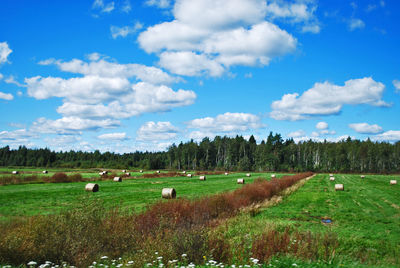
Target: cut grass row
[(34, 199)]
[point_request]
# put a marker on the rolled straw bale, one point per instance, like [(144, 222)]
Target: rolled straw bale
[(248, 175), (105, 172), (92, 187), (330, 175), (168, 193), (332, 178), (127, 174), (393, 182), (158, 172), (117, 179), (184, 172), (226, 173), (45, 172), (189, 175), (101, 173), (362, 177), (15, 172), (273, 176), (124, 171), (339, 187), (202, 178), (240, 181), (141, 171)]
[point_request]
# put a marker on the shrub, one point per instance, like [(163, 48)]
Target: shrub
[(60, 177)]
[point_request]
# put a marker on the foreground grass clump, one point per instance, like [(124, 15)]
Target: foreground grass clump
[(172, 228)]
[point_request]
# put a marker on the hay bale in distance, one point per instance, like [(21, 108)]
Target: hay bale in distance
[(117, 179), (189, 175), (128, 174), (202, 178), (168, 193), (226, 173), (92, 187), (273, 176), (240, 181), (158, 172), (15, 172), (124, 171), (330, 175), (248, 175), (141, 171), (339, 187), (362, 177), (332, 178), (45, 172), (393, 182), (184, 172)]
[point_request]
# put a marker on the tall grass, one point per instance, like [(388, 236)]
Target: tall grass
[(173, 228)]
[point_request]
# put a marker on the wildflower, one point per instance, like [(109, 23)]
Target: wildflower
[(159, 258), (32, 263), (184, 255), (294, 264), (104, 258), (156, 252), (130, 262), (94, 263)]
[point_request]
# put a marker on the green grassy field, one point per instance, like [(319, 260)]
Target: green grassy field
[(47, 198), (365, 216)]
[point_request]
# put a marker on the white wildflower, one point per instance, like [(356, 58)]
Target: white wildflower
[(32, 263), (104, 257)]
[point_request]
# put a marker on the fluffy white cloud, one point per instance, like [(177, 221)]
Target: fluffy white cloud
[(125, 30), (391, 135), (126, 7), (118, 136), (227, 122), (1, 76), (71, 125), (396, 84), (327, 99), (355, 24), (16, 135), (296, 134), (6, 96), (159, 3), (151, 131), (105, 8), (11, 80), (365, 128), (321, 125), (5, 51), (320, 139), (208, 36)]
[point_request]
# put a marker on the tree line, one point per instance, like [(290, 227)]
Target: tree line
[(228, 153)]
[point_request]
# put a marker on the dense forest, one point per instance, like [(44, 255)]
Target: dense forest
[(226, 153)]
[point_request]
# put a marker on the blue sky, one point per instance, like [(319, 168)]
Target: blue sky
[(124, 75)]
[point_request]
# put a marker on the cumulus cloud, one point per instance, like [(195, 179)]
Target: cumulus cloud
[(126, 7), (125, 30), (159, 3), (11, 80), (103, 7), (327, 99), (296, 134), (391, 135), (5, 51), (355, 24), (151, 131), (320, 139), (227, 122), (118, 136), (365, 128), (1, 76), (396, 84), (207, 37), (321, 125), (16, 135), (6, 96)]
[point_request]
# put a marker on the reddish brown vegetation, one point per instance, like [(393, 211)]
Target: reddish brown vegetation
[(163, 175)]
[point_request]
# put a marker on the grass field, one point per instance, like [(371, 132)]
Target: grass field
[(365, 217), (48, 198)]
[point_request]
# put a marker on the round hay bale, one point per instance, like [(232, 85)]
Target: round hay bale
[(332, 178), (184, 172), (92, 187), (331, 175), (124, 171), (362, 177), (141, 171), (105, 172), (117, 179), (45, 172), (101, 173), (339, 187), (393, 182), (189, 175), (168, 193), (15, 172), (273, 176), (240, 181), (158, 172), (248, 175), (128, 174), (226, 173), (202, 178)]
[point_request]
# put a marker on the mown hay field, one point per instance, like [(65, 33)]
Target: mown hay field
[(133, 193)]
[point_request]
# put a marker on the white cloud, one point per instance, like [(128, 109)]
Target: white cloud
[(11, 80), (118, 136), (125, 30), (216, 34), (70, 125), (327, 99), (1, 76), (391, 135), (311, 29), (126, 7), (396, 84), (6, 96), (227, 122), (321, 125), (370, 7), (15, 136), (151, 131), (355, 24), (105, 8), (320, 139), (296, 134), (159, 3), (5, 51), (327, 132), (365, 128)]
